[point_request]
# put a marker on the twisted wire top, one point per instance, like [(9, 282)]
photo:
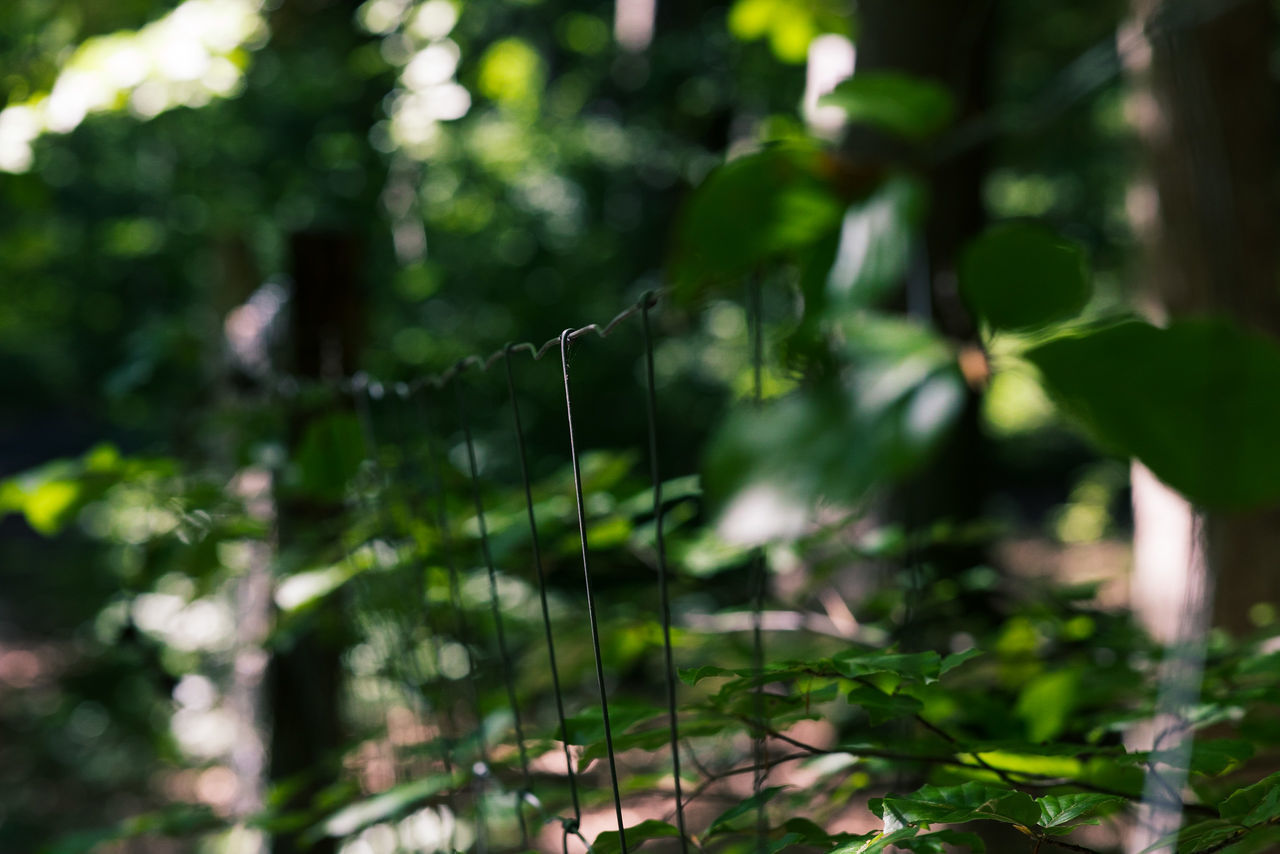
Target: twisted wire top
[(362, 382)]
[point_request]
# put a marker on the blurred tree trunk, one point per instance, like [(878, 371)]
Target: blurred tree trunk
[(1204, 109), (305, 676), (1203, 106), (948, 43)]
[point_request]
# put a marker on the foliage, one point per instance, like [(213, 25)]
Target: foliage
[(511, 178)]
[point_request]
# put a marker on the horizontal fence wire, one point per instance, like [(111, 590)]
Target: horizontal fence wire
[(287, 386)]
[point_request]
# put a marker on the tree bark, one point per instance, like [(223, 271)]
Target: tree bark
[(948, 43), (305, 677), (1204, 109)]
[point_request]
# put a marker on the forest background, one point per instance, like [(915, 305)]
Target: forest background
[(900, 377)]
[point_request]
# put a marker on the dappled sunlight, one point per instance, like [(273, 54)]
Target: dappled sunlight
[(190, 56), (761, 513)]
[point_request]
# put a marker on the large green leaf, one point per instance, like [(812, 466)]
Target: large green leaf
[(955, 804), (1023, 275), (912, 107), (751, 210), (1196, 402)]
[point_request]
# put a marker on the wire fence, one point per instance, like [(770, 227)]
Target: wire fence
[(410, 613)]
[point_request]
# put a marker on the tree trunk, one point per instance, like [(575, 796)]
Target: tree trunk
[(1204, 110), (948, 43), (305, 676), (1203, 107)]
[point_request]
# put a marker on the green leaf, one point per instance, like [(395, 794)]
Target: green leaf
[(609, 842), (943, 842), (754, 209), (955, 659), (1211, 757), (917, 666), (838, 439), (725, 820), (808, 832), (329, 455), (912, 107), (881, 707), (874, 247), (1023, 275), (955, 804), (873, 843), (587, 726), (694, 675), (1195, 402), (1198, 837), (1059, 810), (1046, 703), (649, 739), (395, 800), (1254, 804)]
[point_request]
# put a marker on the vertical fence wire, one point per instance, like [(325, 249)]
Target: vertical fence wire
[(651, 407), (499, 630), (760, 757), (420, 591), (370, 497), (412, 586), (586, 571), (542, 592), (449, 558)]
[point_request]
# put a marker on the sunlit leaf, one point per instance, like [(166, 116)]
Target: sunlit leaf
[(392, 802), (874, 247), (511, 73), (1046, 703)]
